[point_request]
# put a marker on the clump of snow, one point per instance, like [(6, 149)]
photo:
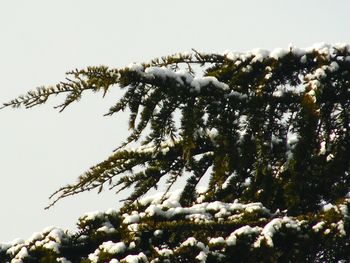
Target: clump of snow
[(343, 208), (50, 238), (231, 240), (242, 126), (136, 67), (113, 248), (141, 257), (170, 199), (35, 236), (318, 226), (237, 94), (23, 253), (328, 207), (181, 77), (292, 140), (327, 231), (202, 256), (271, 228), (92, 215), (163, 73), (130, 219), (64, 260), (329, 157), (341, 228), (51, 245), (198, 83), (217, 240), (191, 241), (158, 232), (107, 227), (303, 59), (259, 54), (320, 73), (165, 252), (107, 247), (279, 53), (333, 66), (204, 211)]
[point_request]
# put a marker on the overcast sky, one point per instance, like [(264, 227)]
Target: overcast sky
[(41, 150)]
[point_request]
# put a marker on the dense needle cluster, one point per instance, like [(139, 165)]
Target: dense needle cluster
[(259, 127)]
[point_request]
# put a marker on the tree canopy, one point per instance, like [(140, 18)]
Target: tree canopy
[(268, 132)]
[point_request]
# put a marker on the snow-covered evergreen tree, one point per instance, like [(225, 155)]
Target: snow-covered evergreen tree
[(268, 133)]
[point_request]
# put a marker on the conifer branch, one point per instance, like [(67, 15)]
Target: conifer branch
[(258, 112)]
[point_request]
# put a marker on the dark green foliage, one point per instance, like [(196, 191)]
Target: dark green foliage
[(177, 238), (264, 127)]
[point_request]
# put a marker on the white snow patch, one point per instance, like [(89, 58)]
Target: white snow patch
[(217, 240), (318, 226), (135, 258), (279, 53)]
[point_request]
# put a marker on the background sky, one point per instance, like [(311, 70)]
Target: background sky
[(41, 149)]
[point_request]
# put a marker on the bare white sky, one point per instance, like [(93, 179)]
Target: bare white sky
[(41, 150)]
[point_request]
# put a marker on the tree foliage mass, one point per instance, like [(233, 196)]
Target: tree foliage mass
[(260, 127)]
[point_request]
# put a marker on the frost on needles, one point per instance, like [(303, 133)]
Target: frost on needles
[(269, 129)]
